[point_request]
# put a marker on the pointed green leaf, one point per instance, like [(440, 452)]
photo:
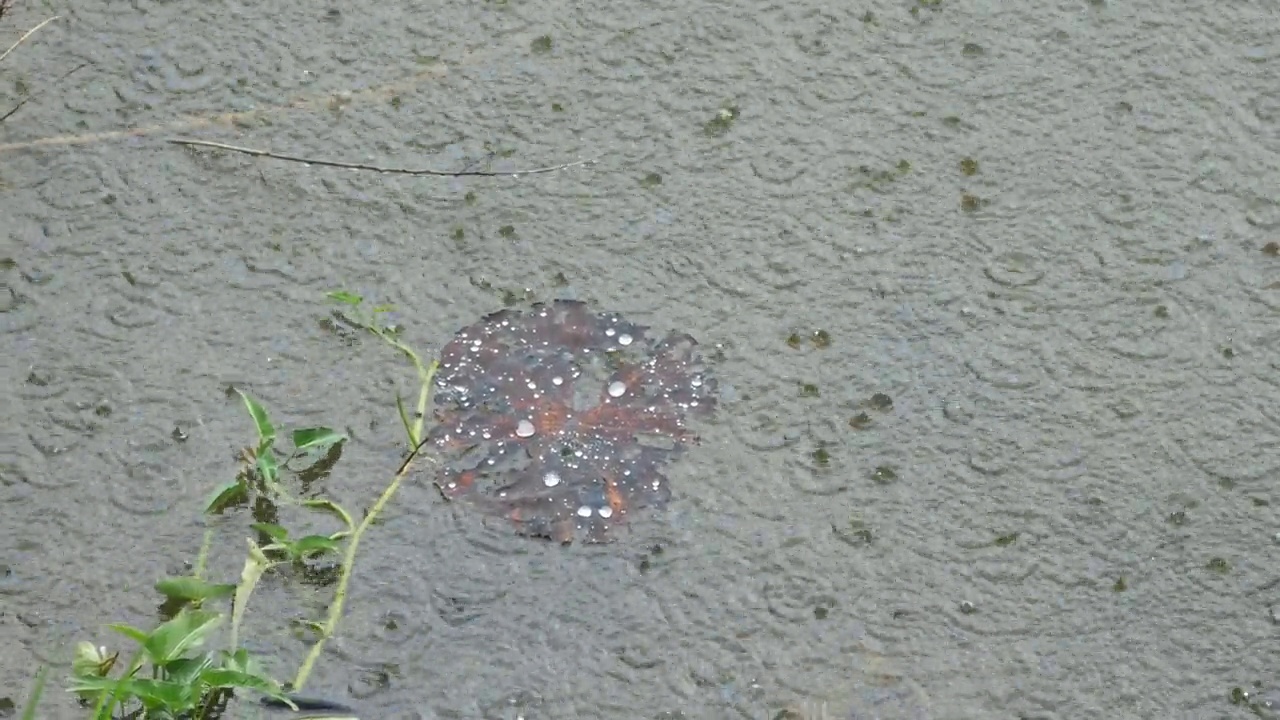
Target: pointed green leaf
[(90, 684), (275, 532), (241, 661), (404, 420), (313, 545), (332, 508), (316, 438), (268, 467), (186, 631), (172, 697), (133, 633), (266, 431), (226, 496), (224, 678), (187, 671), (346, 298), (193, 588)]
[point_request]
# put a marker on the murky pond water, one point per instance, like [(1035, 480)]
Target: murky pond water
[(985, 287)]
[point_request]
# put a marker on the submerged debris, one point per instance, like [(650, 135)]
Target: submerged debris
[(561, 419)]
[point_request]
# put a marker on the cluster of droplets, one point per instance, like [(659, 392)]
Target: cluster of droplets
[(508, 384)]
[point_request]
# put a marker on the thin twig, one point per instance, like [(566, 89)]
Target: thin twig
[(26, 99), (26, 35), (374, 168), (353, 542)]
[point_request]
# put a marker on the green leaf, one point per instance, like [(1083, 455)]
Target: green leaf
[(266, 431), (275, 532), (187, 630), (268, 467), (225, 678), (138, 636), (316, 438), (90, 684), (193, 588), (241, 661), (383, 308), (344, 297), (313, 545), (226, 496), (171, 697), (187, 671), (404, 419), (332, 508)]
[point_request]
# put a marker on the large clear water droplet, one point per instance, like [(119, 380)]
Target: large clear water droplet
[(617, 388), (524, 429)]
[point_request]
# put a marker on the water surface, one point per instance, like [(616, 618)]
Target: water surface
[(1033, 235)]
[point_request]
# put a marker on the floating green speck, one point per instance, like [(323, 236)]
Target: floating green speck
[(881, 402), (884, 474), (541, 44), (821, 457), (721, 123), (861, 421), (969, 166)]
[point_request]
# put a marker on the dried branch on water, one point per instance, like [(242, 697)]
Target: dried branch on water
[(27, 99), (5, 5), (375, 168), (25, 35)]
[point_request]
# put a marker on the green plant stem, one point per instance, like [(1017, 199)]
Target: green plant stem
[(203, 557), (107, 700), (30, 712), (425, 375), (353, 542)]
